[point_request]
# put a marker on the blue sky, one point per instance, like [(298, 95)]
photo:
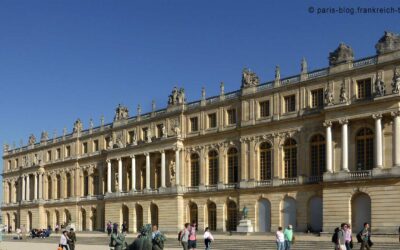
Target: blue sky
[(60, 60)]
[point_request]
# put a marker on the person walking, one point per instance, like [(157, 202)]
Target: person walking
[(340, 238), (72, 239), (64, 240), (109, 228), (192, 243), (124, 227), (185, 237), (288, 234), (280, 239), (347, 237), (208, 238), (117, 240), (365, 237)]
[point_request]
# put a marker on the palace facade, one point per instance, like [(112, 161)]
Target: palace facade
[(313, 150)]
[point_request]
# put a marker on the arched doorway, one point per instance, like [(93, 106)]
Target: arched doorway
[(67, 217), (48, 220), (193, 213), (154, 214), (360, 211), (93, 219), (212, 216), (315, 214), (29, 221), (139, 217), (125, 216), (264, 215), (231, 216), (289, 212), (15, 221), (83, 219)]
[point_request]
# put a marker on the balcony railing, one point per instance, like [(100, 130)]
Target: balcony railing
[(360, 175), (264, 183), (289, 181), (192, 189), (230, 186), (314, 179), (211, 187)]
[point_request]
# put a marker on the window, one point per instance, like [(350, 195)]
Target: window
[(107, 142), (233, 165), (364, 89), (231, 116), (317, 98), (67, 151), (264, 108), (85, 148), (144, 133), (159, 130), (290, 158), (49, 155), (95, 145), (131, 136), (365, 147), (212, 167), (212, 216), (194, 170), (265, 161), (212, 120), (9, 165), (317, 155), (290, 103), (194, 124), (58, 153), (16, 163)]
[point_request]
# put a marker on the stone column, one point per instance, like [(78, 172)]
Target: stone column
[(378, 140), (396, 138), (108, 176), (133, 173), (221, 165), (40, 185), (147, 170), (163, 169), (35, 187), (28, 190), (345, 143), (243, 160), (177, 167), (120, 174), (328, 125)]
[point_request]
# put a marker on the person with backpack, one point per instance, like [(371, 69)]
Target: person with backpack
[(192, 243), (365, 236), (208, 238), (338, 238), (183, 236), (288, 234)]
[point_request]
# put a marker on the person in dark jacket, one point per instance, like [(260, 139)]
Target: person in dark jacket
[(72, 239)]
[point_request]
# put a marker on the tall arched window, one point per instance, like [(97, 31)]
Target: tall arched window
[(317, 155), (365, 149), (194, 170), (233, 165), (231, 216), (212, 216), (212, 167), (265, 161), (290, 158)]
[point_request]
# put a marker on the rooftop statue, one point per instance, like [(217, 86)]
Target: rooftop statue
[(177, 96), (121, 113), (78, 126), (388, 42), (249, 79), (342, 54), (44, 136), (396, 81), (32, 139)]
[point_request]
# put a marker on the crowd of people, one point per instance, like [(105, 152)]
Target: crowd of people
[(188, 237), (343, 240), (284, 238), (40, 233)]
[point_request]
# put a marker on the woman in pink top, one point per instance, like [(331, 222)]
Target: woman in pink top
[(347, 236)]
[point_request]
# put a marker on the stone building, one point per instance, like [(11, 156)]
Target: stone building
[(312, 150)]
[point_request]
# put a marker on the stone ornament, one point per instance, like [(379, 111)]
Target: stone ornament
[(44, 136), (343, 54), (304, 66), (277, 73), (396, 81), (121, 113), (164, 131), (249, 79), (177, 97), (149, 135), (78, 126), (387, 43), (222, 88), (328, 95), (172, 173), (32, 139), (203, 93), (380, 88), (343, 94), (153, 106), (6, 147)]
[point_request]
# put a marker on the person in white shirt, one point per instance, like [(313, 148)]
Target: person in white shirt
[(64, 240), (208, 238), (280, 239)]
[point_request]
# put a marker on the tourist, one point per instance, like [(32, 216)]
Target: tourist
[(109, 228), (208, 238), (347, 237), (288, 234), (340, 238), (154, 232), (192, 243), (124, 227), (18, 231), (365, 237), (56, 228), (72, 239), (184, 238), (157, 238), (117, 240), (280, 239), (64, 240)]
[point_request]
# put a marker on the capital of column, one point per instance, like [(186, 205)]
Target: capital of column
[(395, 113), (108, 160), (343, 121), (146, 153), (377, 116), (132, 156), (327, 123), (162, 151)]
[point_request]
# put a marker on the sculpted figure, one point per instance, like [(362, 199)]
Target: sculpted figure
[(380, 89), (396, 81)]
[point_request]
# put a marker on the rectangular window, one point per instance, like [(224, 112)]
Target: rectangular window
[(84, 148), (107, 142), (231, 116), (159, 130), (212, 120), (194, 124), (9, 164), (49, 155), (364, 88), (95, 145), (67, 151), (16, 163), (317, 98), (144, 133), (58, 153), (290, 103), (264, 108)]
